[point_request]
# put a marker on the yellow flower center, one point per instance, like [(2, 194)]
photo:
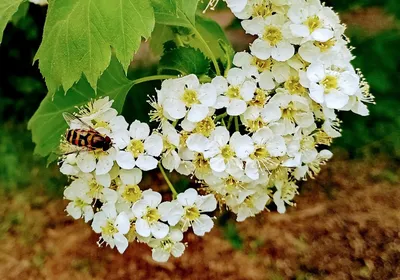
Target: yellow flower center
[(201, 163), (293, 85), (254, 125), (262, 65), (80, 203), (109, 229), (260, 154), (97, 124), (330, 83), (288, 112), (259, 99), (94, 188), (227, 152), (307, 143), (232, 184), (262, 10), (190, 97), (192, 213), (167, 145), (273, 35), (325, 46), (313, 23), (135, 147), (132, 193), (152, 215), (205, 127), (233, 92)]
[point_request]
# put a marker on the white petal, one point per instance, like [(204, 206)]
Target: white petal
[(247, 90), (120, 242), (131, 177), (154, 145), (125, 160), (202, 225), (152, 198), (271, 112), (75, 212), (236, 107), (197, 143), (139, 130), (207, 203), (299, 30), (104, 180), (236, 76), (197, 113), (266, 80), (122, 223), (146, 163), (160, 255), (322, 35), (336, 100), (317, 93), (208, 94), (178, 249), (159, 230), (86, 162), (218, 164), (220, 135), (261, 49), (283, 51), (142, 228), (188, 197)]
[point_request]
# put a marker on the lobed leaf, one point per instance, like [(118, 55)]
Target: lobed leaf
[(7, 9), (47, 124), (185, 61), (79, 37)]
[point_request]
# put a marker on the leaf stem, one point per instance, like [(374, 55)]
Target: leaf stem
[(153, 78), (221, 116), (171, 187), (209, 51), (237, 123), (229, 122)]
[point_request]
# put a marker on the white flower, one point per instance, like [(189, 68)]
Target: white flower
[(266, 72), (99, 161), (240, 90), (39, 2), (236, 5), (274, 37), (294, 110), (99, 187), (148, 215), (267, 147), (261, 8), (285, 192), (169, 245), (129, 191), (312, 21), (330, 86), (112, 227), (313, 167), (80, 204), (221, 154), (68, 166), (194, 205), (141, 149), (170, 158), (191, 98), (251, 205)]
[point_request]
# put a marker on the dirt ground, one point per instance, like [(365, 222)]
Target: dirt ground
[(346, 226)]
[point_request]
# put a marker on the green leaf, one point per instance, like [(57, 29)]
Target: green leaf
[(79, 37), (213, 36), (161, 34), (7, 9), (178, 13), (165, 11), (21, 13), (47, 124), (185, 61)]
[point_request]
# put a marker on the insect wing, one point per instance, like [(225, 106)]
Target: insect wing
[(71, 120)]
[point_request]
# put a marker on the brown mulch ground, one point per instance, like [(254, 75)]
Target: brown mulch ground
[(346, 226)]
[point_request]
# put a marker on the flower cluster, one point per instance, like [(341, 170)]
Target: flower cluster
[(247, 137), (105, 186)]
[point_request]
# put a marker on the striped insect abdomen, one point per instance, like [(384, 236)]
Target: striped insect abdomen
[(79, 137)]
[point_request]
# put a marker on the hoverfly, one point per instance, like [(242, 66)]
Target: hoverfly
[(87, 137)]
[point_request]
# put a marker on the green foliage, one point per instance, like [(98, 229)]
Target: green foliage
[(379, 59), (7, 9), (47, 124), (185, 61), (78, 36)]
